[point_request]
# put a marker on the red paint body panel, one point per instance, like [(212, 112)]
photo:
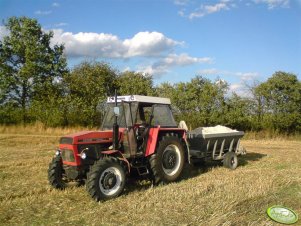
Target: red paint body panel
[(152, 141), (93, 137), (90, 137), (153, 138), (87, 137)]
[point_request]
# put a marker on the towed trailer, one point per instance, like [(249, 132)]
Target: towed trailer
[(215, 143)]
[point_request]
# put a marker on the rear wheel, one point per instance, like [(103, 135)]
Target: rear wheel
[(168, 161), (106, 179), (56, 172), (230, 160)]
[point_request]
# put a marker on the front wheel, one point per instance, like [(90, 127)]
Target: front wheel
[(56, 173), (106, 179), (168, 161)]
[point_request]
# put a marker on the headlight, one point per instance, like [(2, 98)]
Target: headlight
[(58, 152), (83, 155)]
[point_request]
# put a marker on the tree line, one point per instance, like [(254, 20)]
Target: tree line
[(36, 85)]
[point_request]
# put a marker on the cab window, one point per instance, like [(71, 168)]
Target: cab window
[(162, 116)]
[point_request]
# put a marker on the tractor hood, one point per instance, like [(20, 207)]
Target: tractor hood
[(88, 137)]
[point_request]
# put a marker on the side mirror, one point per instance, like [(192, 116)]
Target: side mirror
[(116, 111)]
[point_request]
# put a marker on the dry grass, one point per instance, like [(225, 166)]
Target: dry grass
[(38, 129), (269, 174)]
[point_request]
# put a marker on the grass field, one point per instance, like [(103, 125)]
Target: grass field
[(269, 174)]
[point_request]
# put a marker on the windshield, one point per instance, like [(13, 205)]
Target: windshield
[(127, 114)]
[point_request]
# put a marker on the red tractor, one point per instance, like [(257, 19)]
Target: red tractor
[(138, 134)]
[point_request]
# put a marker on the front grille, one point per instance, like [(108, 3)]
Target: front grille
[(68, 155), (94, 150)]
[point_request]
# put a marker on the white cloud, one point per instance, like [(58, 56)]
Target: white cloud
[(209, 71), (172, 60), (40, 12), (3, 32), (184, 59), (211, 7), (181, 2), (55, 4), (240, 89), (147, 44), (236, 87), (274, 3), (181, 12), (126, 69), (204, 10), (247, 76), (61, 24), (89, 44), (244, 76), (155, 71)]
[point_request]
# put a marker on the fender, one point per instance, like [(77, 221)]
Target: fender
[(153, 137), (119, 155)]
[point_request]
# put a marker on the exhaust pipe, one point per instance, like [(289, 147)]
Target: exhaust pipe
[(115, 127)]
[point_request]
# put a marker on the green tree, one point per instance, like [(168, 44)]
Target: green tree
[(131, 83), (165, 89), (239, 112), (87, 87), (29, 65), (281, 95), (199, 102)]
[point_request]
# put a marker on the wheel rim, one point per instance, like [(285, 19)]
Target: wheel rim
[(171, 160), (233, 162), (110, 181)]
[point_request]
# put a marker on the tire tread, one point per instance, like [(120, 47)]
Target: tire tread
[(154, 161), (93, 176)]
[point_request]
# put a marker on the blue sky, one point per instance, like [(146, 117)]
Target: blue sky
[(236, 40)]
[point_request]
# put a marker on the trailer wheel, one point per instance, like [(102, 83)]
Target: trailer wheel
[(106, 179), (230, 160), (168, 161), (56, 172)]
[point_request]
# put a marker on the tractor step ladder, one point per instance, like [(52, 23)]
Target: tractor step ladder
[(143, 170)]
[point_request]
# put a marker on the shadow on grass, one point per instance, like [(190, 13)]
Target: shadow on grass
[(192, 170), (203, 167), (196, 169), (135, 183), (250, 157)]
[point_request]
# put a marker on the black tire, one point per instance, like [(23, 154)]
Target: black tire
[(80, 183), (106, 179), (56, 173), (230, 160), (168, 161)]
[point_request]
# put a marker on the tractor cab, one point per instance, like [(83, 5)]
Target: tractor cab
[(138, 115), (135, 110)]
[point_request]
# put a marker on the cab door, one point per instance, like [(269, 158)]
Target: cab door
[(129, 137)]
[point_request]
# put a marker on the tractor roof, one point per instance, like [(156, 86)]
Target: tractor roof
[(138, 98)]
